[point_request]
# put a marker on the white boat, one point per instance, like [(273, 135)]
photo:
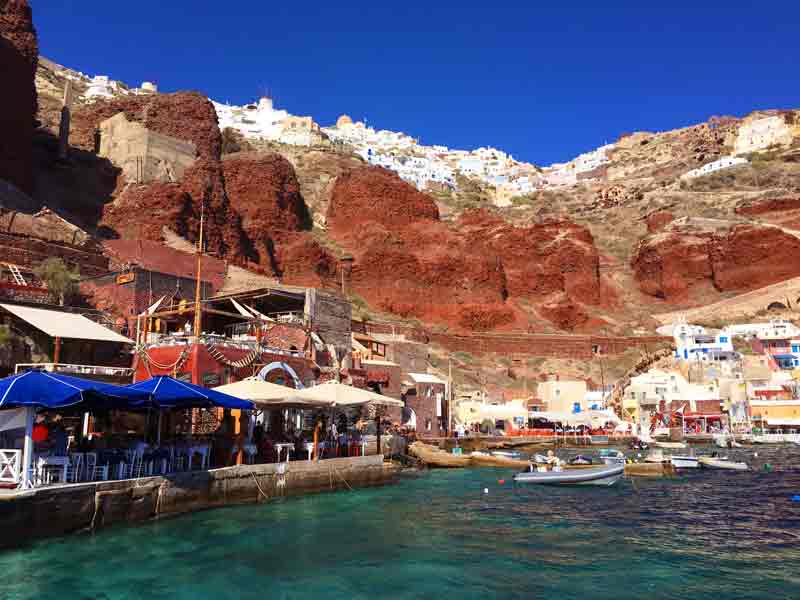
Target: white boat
[(670, 445), (685, 461), (605, 475), (726, 440), (656, 456), (713, 462)]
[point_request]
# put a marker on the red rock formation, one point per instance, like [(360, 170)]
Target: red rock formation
[(19, 55), (541, 259), (778, 211), (375, 195), (657, 220), (184, 115), (408, 262), (301, 260), (738, 258), (263, 189)]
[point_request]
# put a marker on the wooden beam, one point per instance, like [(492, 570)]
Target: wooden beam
[(190, 309)]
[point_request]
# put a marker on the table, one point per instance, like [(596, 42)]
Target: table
[(310, 447), (51, 461), (289, 447)]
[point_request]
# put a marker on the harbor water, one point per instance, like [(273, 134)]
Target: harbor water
[(453, 534)]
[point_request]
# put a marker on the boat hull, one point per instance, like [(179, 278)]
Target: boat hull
[(684, 462), (600, 476), (712, 463)]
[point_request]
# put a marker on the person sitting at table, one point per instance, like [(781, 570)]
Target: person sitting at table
[(59, 437)]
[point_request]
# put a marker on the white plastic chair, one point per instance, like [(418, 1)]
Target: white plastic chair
[(75, 467)]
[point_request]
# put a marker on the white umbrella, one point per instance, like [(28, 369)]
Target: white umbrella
[(267, 395), (339, 394)]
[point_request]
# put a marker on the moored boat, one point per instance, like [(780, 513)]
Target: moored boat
[(713, 462), (604, 475), (685, 461)]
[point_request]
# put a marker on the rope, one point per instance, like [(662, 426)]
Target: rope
[(259, 486), (177, 364), (238, 364)]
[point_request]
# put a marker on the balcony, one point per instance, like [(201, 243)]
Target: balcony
[(88, 371)]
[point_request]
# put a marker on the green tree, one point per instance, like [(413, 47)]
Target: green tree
[(61, 282)]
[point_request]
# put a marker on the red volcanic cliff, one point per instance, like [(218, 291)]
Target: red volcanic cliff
[(738, 258), (19, 55), (408, 262), (375, 195), (142, 210), (542, 258), (264, 190)]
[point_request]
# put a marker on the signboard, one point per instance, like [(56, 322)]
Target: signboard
[(211, 379), (124, 278)]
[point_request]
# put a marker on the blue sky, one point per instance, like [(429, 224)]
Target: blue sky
[(542, 80)]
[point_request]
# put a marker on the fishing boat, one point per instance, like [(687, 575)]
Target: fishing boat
[(713, 462), (670, 445), (726, 440), (434, 457), (604, 475), (685, 461)]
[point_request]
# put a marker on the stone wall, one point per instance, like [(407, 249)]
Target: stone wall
[(29, 252), (331, 316), (144, 156), (61, 510)]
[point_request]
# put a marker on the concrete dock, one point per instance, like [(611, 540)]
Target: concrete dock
[(63, 509)]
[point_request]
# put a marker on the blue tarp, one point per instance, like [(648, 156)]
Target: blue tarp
[(166, 392), (51, 390)]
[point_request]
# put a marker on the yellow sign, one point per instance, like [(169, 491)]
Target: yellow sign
[(124, 278)]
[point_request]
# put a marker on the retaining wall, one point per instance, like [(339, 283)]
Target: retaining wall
[(47, 512)]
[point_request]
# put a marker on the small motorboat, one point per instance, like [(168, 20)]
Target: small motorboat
[(656, 456), (603, 475), (716, 462), (506, 453), (685, 461), (671, 445), (580, 460), (639, 445)]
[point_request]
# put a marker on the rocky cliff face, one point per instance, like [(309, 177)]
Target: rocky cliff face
[(730, 256), (19, 55), (143, 210)]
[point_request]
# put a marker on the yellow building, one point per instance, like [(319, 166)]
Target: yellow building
[(563, 396)]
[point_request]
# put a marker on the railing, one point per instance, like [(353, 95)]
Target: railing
[(10, 466), (96, 370)]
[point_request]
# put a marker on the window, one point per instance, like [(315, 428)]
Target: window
[(428, 424), (723, 339)]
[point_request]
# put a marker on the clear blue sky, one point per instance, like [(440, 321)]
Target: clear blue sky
[(542, 80)]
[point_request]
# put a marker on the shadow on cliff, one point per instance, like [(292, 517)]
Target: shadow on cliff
[(77, 188)]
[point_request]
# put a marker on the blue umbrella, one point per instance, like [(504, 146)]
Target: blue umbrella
[(166, 392), (51, 390)]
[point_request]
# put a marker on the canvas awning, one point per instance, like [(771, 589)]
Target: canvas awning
[(65, 325), (426, 378), (267, 395), (341, 395)]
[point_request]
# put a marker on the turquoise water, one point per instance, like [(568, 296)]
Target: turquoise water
[(438, 535)]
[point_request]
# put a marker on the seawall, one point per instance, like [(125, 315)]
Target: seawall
[(47, 512)]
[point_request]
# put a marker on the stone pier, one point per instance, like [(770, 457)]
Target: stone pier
[(64, 509)]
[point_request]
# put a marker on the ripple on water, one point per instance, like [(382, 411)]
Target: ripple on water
[(705, 535)]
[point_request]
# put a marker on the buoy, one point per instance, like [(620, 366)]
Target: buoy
[(501, 481), (768, 467), (485, 490)]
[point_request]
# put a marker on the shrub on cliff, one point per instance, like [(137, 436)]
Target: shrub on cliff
[(233, 141), (61, 281)]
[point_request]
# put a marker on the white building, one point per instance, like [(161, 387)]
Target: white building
[(726, 162), (694, 343)]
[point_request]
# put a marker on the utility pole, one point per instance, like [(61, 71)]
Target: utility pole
[(449, 395), (198, 311)]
